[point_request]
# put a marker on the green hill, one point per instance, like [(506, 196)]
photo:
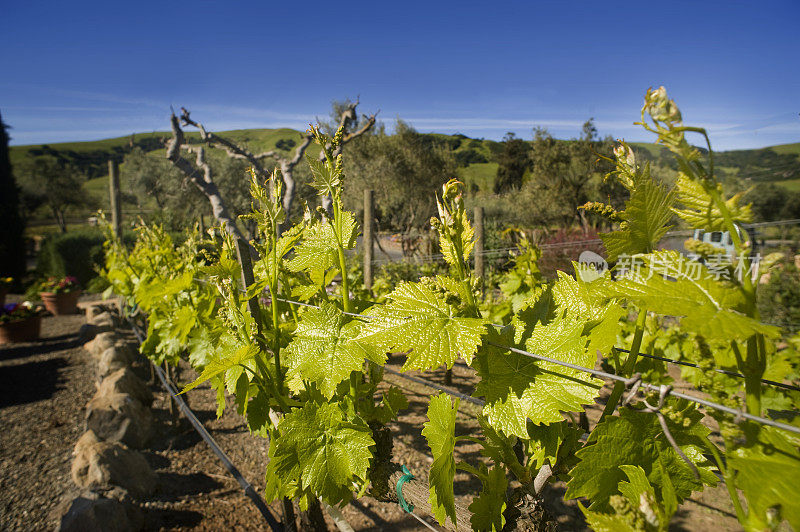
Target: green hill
[(476, 158)]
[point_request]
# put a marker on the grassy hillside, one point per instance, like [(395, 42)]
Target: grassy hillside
[(476, 158), (93, 156)]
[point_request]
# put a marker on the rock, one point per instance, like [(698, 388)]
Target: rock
[(111, 360), (125, 381), (103, 318), (90, 512), (101, 342), (130, 350), (119, 417), (102, 465), (87, 332)]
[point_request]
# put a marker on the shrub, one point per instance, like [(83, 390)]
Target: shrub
[(78, 254)]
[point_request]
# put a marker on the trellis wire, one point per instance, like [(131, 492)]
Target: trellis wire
[(653, 388), (723, 371)]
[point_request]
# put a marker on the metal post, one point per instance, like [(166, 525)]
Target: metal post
[(116, 204), (368, 239)]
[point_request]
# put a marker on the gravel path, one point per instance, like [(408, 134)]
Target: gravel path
[(44, 387)]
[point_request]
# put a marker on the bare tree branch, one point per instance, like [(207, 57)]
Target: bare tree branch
[(201, 175), (234, 151)]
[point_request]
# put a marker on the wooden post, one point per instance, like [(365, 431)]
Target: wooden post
[(116, 204), (479, 264), (243, 254), (202, 225), (368, 239)]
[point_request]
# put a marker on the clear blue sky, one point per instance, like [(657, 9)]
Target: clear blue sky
[(90, 70)]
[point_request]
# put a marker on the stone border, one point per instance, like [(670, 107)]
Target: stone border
[(109, 473)]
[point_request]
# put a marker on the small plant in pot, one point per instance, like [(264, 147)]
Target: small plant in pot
[(20, 322), (5, 284), (60, 296)]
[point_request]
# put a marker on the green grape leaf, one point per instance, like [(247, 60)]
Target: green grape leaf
[(184, 319), (319, 248), (707, 306), (326, 180), (394, 400), (552, 443), (157, 290), (636, 438), (244, 354), (488, 507), (258, 414), (325, 348), (646, 215), (583, 301), (322, 451), (419, 321), (201, 346), (768, 474), (641, 511), (602, 522), (518, 387), (439, 431), (701, 212)]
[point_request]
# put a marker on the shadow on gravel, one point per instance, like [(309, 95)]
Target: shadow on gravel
[(175, 486), (157, 519), (44, 345), (30, 382)]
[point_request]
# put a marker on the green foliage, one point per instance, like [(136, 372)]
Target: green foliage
[(774, 457), (518, 388), (310, 378), (513, 162), (488, 507), (320, 450), (648, 210), (636, 509), (326, 348), (54, 185), (635, 439), (78, 254), (779, 298), (12, 226), (439, 432), (404, 170), (421, 322)]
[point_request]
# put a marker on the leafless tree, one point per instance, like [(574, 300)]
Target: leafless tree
[(200, 173)]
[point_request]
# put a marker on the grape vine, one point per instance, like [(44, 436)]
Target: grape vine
[(309, 376)]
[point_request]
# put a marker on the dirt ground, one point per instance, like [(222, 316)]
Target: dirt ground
[(45, 386)]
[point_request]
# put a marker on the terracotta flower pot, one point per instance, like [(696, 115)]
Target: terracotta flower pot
[(25, 330), (63, 303)]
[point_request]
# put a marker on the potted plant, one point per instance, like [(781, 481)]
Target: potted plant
[(20, 322), (60, 296), (5, 284)]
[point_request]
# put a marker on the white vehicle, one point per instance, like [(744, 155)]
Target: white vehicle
[(718, 239)]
